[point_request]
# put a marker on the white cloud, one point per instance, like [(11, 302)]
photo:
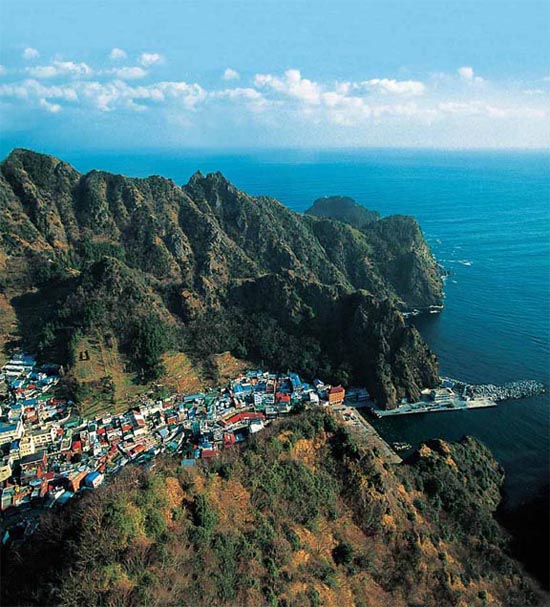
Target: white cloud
[(42, 71), (30, 53), (291, 85), (148, 59), (117, 54), (60, 68), (396, 87), (286, 104), (106, 96), (2, 70), (466, 73), (130, 73), (230, 74), (242, 93), (490, 110), (53, 108)]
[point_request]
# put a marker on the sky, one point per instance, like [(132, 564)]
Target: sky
[(212, 74)]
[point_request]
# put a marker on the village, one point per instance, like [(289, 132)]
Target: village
[(50, 453)]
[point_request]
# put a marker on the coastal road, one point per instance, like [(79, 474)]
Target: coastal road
[(366, 433)]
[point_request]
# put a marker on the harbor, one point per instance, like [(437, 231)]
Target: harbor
[(456, 404), (454, 395)]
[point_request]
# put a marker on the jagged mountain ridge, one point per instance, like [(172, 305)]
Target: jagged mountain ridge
[(208, 252)]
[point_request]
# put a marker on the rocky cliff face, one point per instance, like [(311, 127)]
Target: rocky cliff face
[(223, 269), (397, 246)]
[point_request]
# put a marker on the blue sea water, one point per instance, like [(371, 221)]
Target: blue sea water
[(486, 216)]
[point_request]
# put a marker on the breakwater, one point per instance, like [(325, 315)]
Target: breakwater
[(514, 390)]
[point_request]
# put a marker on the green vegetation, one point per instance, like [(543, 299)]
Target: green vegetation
[(301, 515)]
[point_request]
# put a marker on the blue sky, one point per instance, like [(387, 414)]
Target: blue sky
[(220, 74)]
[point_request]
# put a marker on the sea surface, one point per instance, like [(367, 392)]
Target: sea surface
[(486, 216)]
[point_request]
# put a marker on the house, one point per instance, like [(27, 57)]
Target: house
[(228, 439), (313, 398), (26, 446), (336, 395), (258, 399), (295, 381), (271, 411), (242, 417), (33, 466), (7, 497), (5, 469), (15, 412), (75, 478), (190, 398), (30, 415), (43, 436), (93, 480), (10, 432), (138, 422), (255, 425), (208, 453)]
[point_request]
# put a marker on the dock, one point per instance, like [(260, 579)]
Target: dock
[(457, 404)]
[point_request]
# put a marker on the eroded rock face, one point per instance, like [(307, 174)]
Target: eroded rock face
[(334, 290)]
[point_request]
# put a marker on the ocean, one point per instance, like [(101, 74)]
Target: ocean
[(486, 216)]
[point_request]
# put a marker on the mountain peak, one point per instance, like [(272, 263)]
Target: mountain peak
[(200, 179), (25, 155), (212, 187), (38, 166)]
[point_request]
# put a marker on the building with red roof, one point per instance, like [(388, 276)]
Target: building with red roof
[(208, 453), (242, 417)]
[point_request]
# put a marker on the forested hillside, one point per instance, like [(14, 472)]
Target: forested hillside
[(303, 515), (145, 266)]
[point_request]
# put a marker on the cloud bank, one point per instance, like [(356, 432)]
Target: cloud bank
[(455, 109)]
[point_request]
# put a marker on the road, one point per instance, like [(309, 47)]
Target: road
[(361, 428)]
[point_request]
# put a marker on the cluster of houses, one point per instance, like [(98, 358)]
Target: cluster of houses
[(49, 453)]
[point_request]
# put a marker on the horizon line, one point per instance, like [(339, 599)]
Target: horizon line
[(53, 151)]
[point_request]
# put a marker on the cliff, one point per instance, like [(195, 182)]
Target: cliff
[(397, 246), (217, 270), (304, 515)]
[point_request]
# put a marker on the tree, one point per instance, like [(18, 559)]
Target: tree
[(148, 342)]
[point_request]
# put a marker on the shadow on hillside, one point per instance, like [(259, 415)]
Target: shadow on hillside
[(38, 323), (529, 526)]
